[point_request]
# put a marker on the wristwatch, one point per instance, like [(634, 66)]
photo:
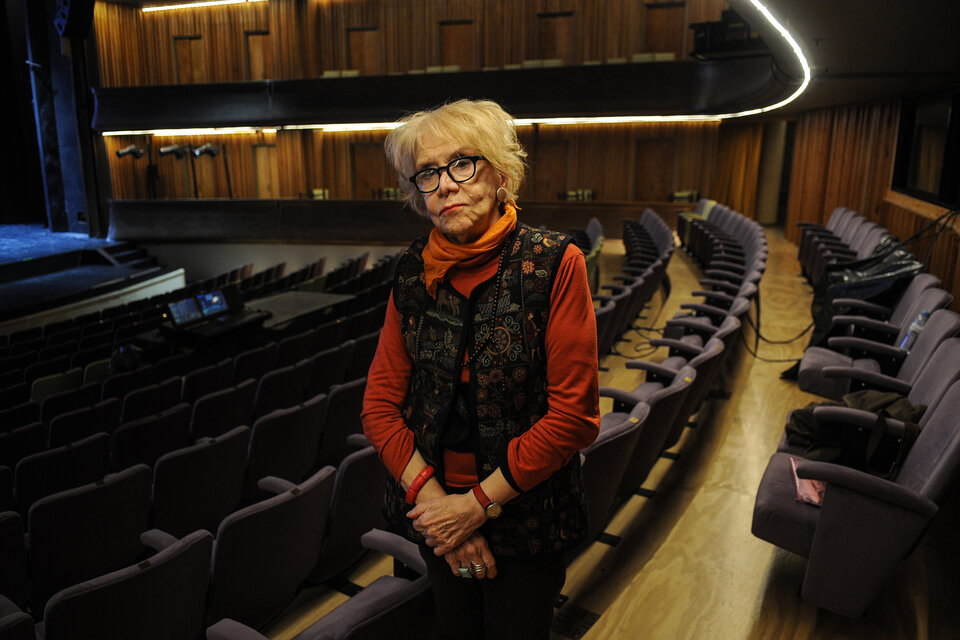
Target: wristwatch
[(491, 508)]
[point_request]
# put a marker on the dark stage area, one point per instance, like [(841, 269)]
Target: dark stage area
[(41, 270)]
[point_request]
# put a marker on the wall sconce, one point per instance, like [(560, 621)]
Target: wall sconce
[(213, 150)]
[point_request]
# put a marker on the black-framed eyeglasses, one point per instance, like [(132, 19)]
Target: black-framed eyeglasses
[(460, 170)]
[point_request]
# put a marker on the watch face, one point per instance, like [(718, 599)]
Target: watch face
[(494, 510)]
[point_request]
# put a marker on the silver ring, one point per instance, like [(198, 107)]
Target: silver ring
[(465, 572)]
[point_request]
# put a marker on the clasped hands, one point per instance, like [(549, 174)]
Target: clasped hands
[(450, 524)]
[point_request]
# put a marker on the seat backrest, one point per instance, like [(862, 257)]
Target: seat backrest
[(664, 404), (61, 468), (19, 415), (327, 368), (264, 552), (355, 508), (284, 443), (120, 384), (196, 487), (604, 463), (253, 363), (200, 382), (343, 419), (220, 411), (281, 388), (161, 597), (144, 440), (151, 399), (364, 348), (932, 462), (13, 558), (104, 519), (937, 375), (64, 401), (294, 348), (929, 300), (21, 442), (941, 325), (918, 284), (76, 425)]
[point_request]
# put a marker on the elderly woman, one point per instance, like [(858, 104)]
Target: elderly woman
[(484, 385)]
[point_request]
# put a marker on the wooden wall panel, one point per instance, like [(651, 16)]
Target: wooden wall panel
[(604, 158), (307, 38), (738, 166)]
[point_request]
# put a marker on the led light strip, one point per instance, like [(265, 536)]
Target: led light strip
[(558, 122), (194, 5)]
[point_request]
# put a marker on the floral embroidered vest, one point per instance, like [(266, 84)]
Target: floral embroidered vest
[(507, 393)]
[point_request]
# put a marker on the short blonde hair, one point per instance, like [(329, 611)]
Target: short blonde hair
[(479, 124)]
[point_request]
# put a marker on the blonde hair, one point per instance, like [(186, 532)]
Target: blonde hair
[(479, 124)]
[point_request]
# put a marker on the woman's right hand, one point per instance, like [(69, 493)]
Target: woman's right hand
[(474, 550)]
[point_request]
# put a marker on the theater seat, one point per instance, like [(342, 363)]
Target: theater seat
[(866, 524)]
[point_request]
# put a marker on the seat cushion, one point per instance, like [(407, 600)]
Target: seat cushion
[(778, 517), (811, 378)]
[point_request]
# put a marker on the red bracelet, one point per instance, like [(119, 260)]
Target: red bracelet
[(418, 483)]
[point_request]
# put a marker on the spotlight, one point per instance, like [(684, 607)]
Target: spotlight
[(209, 149), (178, 151), (131, 150)]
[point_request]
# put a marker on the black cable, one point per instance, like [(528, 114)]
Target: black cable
[(762, 359), (793, 339)]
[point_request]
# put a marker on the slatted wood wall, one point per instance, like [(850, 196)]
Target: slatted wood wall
[(295, 38), (844, 157), (302, 39)]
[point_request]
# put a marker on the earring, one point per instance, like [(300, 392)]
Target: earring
[(501, 195)]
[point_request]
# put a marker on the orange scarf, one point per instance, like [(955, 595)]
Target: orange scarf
[(440, 255)]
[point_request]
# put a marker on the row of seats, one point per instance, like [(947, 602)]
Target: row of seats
[(600, 462), (648, 246), (849, 559), (613, 468), (156, 418), (846, 237)]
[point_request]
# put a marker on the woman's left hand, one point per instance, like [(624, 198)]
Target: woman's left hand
[(448, 521)]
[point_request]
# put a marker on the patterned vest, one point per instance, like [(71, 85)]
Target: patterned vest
[(507, 393)]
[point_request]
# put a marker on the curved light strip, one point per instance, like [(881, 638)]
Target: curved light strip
[(384, 126), (194, 5)]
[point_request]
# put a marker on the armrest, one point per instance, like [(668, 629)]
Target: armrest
[(393, 545), (722, 274), (227, 629), (858, 418), (156, 539), (868, 378), (866, 484), (719, 285), (869, 346), (275, 485), (863, 322), (714, 295), (705, 309), (861, 305), (654, 368), (727, 266), (693, 325), (677, 345), (618, 395)]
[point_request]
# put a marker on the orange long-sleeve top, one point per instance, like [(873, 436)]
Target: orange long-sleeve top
[(572, 420)]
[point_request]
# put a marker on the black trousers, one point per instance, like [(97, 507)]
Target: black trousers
[(518, 603)]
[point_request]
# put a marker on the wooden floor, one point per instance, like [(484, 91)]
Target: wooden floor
[(686, 565)]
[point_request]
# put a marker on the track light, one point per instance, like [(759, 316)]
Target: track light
[(131, 150), (209, 149), (177, 150)]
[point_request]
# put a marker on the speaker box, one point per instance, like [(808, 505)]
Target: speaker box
[(74, 18)]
